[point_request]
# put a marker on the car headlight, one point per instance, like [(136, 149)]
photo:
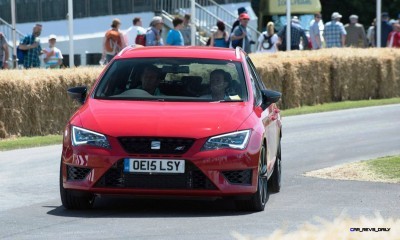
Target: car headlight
[(81, 136), (235, 140)]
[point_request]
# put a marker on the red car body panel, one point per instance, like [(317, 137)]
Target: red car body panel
[(140, 118), (118, 118)]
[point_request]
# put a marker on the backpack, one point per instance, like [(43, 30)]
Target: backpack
[(21, 55), (113, 41), (141, 39), (239, 42), (267, 43)]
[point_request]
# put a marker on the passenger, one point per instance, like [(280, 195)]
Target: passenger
[(150, 80), (220, 82)]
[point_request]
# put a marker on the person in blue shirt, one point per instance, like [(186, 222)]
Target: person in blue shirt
[(174, 37)]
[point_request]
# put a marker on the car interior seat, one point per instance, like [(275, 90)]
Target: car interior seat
[(192, 86)]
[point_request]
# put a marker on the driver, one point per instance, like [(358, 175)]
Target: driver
[(150, 79)]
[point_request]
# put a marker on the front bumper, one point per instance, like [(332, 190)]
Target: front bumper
[(229, 172)]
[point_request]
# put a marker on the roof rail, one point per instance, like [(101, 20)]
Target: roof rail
[(125, 49), (237, 52)]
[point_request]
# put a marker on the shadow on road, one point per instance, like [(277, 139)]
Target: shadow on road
[(145, 208)]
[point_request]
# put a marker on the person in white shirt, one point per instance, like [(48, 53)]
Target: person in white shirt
[(268, 39), (315, 34), (132, 32), (52, 56)]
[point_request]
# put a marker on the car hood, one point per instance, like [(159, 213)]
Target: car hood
[(167, 119)]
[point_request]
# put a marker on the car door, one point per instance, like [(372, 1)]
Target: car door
[(268, 117)]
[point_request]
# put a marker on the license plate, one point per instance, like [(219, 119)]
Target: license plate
[(134, 165)]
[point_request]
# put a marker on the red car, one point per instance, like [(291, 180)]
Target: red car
[(174, 121)]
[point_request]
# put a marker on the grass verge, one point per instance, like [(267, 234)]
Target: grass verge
[(25, 142), (339, 106), (386, 167)]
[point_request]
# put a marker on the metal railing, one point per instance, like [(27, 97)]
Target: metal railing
[(7, 29), (200, 41), (208, 12)]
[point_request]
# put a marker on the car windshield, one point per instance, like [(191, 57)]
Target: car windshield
[(173, 79)]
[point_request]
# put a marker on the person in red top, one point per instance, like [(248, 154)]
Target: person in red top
[(394, 37)]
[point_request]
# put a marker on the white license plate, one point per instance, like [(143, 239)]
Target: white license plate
[(134, 165)]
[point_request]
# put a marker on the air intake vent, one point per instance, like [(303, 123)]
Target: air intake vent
[(77, 173), (239, 176)]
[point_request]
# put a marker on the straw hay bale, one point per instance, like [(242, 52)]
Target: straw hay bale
[(35, 102), (331, 74)]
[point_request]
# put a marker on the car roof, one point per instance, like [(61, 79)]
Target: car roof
[(181, 52)]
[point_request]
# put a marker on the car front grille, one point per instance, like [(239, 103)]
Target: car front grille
[(192, 179), (77, 173), (238, 176), (155, 145)]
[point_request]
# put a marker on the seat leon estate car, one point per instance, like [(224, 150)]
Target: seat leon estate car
[(174, 121)]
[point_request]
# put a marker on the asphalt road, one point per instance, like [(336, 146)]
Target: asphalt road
[(30, 207)]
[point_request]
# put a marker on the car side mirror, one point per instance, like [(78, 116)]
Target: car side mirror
[(78, 93), (270, 97)]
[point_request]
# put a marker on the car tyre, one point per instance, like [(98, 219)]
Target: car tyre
[(274, 182), (258, 200), (71, 201)]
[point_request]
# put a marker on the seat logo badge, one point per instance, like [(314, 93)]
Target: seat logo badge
[(155, 145), (180, 148)]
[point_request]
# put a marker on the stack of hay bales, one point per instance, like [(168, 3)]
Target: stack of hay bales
[(35, 101), (314, 77)]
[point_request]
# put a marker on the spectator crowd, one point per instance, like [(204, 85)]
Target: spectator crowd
[(332, 34)]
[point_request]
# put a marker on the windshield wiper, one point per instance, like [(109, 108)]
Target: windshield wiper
[(236, 100)]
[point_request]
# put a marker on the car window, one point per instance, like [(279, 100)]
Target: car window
[(254, 70), (173, 79), (255, 86)]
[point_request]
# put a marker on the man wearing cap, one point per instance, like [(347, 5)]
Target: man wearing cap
[(334, 33), (386, 28), (52, 56), (240, 36), (355, 33), (153, 35), (237, 22), (297, 35), (31, 44)]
